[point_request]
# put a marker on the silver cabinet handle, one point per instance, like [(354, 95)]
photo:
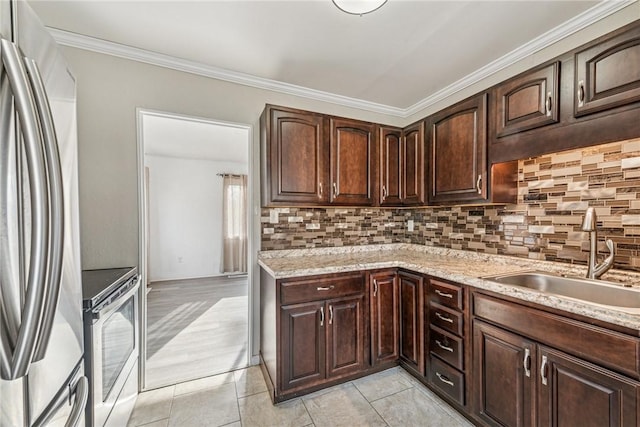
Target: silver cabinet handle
[(548, 104), (444, 379), (319, 189), (543, 370), (384, 192), (56, 240), (580, 93), (375, 287), (444, 347), (478, 183), (325, 288), (335, 190), (322, 316), (27, 334), (443, 294), (526, 363), (330, 314), (444, 318)]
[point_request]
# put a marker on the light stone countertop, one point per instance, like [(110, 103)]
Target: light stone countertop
[(464, 267)]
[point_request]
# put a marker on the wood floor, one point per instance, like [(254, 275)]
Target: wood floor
[(195, 328)]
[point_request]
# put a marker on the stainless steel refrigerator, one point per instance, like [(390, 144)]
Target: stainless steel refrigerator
[(41, 344)]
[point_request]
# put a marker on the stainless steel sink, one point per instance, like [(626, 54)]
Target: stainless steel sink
[(595, 291)]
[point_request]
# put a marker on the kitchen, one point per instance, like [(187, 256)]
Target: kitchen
[(111, 87)]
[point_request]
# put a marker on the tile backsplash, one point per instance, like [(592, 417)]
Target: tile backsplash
[(553, 192)]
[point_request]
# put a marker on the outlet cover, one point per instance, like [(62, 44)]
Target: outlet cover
[(410, 225)]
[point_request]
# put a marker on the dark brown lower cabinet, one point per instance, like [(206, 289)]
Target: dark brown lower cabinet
[(412, 321), (384, 299), (303, 341), (345, 336), (522, 383), (572, 392), (503, 377)]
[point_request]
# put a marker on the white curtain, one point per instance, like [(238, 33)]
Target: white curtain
[(234, 224)]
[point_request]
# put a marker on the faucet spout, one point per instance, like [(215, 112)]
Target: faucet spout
[(594, 270)]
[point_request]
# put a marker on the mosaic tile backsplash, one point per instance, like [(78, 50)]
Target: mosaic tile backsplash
[(553, 192)]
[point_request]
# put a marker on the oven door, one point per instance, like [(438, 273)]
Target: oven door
[(114, 347)]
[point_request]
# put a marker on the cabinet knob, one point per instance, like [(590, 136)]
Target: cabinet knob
[(325, 288), (320, 189), (444, 318), (444, 347), (548, 104), (527, 362), (384, 192), (581, 93), (543, 370), (375, 287), (330, 314), (335, 190), (321, 316), (478, 182), (444, 379), (443, 294)]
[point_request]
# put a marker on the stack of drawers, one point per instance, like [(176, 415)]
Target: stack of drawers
[(446, 366)]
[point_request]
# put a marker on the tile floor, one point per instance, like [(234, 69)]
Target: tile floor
[(240, 398)]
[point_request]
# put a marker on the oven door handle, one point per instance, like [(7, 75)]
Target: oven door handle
[(110, 304)]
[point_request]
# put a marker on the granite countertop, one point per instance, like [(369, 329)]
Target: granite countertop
[(464, 267)]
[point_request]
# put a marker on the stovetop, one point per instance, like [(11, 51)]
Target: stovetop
[(99, 284)]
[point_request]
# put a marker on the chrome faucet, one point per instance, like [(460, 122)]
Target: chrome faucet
[(589, 224)]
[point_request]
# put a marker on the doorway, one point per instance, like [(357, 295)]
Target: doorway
[(195, 306)]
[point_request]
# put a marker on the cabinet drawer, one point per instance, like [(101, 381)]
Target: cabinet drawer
[(447, 346), (447, 379), (296, 291), (446, 318), (446, 294)]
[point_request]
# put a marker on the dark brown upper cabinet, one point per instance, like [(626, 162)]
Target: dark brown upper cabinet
[(353, 154), (294, 157), (528, 101), (413, 171), (458, 152), (401, 167), (391, 164), (607, 74)]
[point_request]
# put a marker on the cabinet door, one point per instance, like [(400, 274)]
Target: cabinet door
[(528, 101), (391, 166), (413, 181), (346, 335), (607, 74), (574, 392), (352, 161), (295, 158), (412, 321), (504, 375), (302, 334), (385, 305), (457, 152)]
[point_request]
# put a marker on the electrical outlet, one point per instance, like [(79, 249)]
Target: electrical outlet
[(410, 225), (273, 216), (179, 260)]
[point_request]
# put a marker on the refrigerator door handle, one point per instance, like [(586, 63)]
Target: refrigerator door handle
[(28, 316), (81, 391), (56, 196)]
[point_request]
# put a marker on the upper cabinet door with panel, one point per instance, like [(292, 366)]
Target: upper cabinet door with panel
[(413, 181), (458, 152), (607, 74), (294, 157), (353, 154), (391, 165), (528, 101)]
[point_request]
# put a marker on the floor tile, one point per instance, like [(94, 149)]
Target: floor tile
[(249, 381), (413, 408), (152, 406), (342, 407), (382, 384), (257, 410), (445, 406), (160, 423), (204, 383), (212, 407)]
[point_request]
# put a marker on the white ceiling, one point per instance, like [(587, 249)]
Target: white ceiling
[(397, 56), (193, 138)]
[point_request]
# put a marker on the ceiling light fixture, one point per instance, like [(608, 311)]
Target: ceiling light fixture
[(359, 7)]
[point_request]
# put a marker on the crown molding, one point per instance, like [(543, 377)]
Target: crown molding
[(596, 13)]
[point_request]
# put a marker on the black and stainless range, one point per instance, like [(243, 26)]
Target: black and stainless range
[(110, 300)]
